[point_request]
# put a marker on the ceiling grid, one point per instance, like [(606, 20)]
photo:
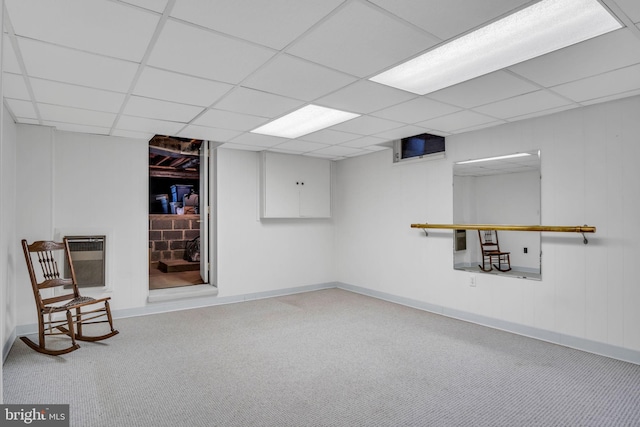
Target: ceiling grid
[(217, 70)]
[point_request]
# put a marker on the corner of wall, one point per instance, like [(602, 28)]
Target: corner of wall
[(7, 344)]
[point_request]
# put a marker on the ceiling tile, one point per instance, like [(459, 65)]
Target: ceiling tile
[(478, 127), (133, 134), (450, 18), (254, 62), (631, 8), (328, 136), (78, 128), (155, 5), (401, 132), (71, 66), (364, 142), (611, 97), (367, 125), (415, 110), (457, 121), (211, 134), (351, 41), (293, 77), (157, 127), (298, 146), (611, 83), (57, 113), (361, 153), (364, 96), (258, 140), (161, 110), (9, 60), (613, 50), (523, 104), (373, 148), (484, 90), (337, 150), (22, 108), (201, 53), (275, 23), (229, 120), (13, 86), (243, 147), (65, 94), (107, 28), (324, 156), (169, 86), (544, 112), (249, 101), (283, 151)]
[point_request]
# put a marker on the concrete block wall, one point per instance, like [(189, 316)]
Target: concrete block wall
[(169, 234)]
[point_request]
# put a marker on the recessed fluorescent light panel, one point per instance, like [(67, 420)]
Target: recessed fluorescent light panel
[(544, 27), (303, 121), (487, 159)]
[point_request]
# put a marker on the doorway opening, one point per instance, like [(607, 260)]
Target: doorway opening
[(178, 212)]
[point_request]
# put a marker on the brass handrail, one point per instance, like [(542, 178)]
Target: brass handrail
[(502, 227)]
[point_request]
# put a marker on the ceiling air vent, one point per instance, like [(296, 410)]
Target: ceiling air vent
[(419, 147)]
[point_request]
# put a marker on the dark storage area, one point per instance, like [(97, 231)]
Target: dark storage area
[(167, 194), (174, 172)]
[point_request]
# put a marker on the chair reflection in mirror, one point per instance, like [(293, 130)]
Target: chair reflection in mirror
[(492, 256)]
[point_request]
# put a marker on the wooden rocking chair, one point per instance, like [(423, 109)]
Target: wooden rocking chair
[(71, 303), (491, 252)]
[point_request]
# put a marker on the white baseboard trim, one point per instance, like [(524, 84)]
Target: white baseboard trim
[(172, 294), (197, 301), (6, 346), (583, 344)]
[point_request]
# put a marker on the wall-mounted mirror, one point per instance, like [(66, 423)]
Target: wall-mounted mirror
[(498, 190)]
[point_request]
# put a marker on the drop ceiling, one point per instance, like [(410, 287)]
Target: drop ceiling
[(216, 69)]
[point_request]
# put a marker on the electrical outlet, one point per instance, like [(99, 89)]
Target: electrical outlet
[(526, 250), (472, 281)]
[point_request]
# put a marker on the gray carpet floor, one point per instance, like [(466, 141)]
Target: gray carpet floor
[(323, 358)]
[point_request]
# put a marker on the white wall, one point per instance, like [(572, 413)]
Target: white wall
[(589, 176), (8, 251), (77, 183), (264, 255), (101, 187)]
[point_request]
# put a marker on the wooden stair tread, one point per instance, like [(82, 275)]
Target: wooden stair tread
[(170, 266)]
